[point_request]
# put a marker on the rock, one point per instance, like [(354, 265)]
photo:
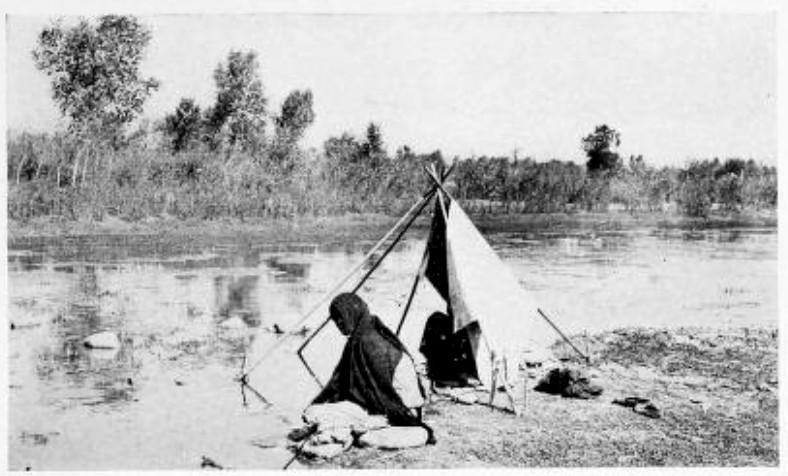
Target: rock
[(209, 463), (683, 340), (322, 451), (645, 373), (466, 396), (630, 402), (235, 322), (269, 442), (342, 436), (335, 415), (691, 381), (704, 403), (395, 437), (102, 340), (647, 409)]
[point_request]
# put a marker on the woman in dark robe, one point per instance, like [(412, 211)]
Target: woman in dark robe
[(375, 370), (449, 354)]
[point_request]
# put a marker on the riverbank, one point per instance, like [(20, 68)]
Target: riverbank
[(366, 226), (716, 391)]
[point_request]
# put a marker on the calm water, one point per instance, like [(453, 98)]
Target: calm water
[(190, 317)]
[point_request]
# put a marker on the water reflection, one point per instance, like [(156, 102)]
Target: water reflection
[(88, 376), (287, 271), (25, 261)]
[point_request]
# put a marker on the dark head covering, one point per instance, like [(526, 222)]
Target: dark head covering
[(365, 372), (348, 311)]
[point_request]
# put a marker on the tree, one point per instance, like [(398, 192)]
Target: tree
[(295, 117), (374, 143), (95, 72), (239, 115), (184, 126), (372, 149), (696, 193), (598, 145)]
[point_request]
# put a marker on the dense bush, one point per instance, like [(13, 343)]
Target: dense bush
[(349, 175)]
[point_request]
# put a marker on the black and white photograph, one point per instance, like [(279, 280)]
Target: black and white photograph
[(478, 236)]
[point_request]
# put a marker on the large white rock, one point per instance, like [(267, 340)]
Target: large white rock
[(102, 340), (235, 322), (395, 437), (335, 415)]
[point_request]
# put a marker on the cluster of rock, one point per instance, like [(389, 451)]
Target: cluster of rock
[(332, 428)]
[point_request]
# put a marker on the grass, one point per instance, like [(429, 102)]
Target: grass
[(719, 408)]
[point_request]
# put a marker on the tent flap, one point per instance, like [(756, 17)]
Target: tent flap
[(483, 289)]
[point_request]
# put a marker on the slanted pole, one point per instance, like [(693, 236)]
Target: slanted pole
[(418, 205), (410, 301), (306, 342), (563, 336), (421, 270), (358, 286)]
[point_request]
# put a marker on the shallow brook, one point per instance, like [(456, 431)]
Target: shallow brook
[(188, 318)]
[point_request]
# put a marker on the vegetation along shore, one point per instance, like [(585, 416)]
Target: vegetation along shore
[(241, 158)]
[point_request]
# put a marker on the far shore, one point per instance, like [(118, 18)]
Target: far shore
[(368, 226)]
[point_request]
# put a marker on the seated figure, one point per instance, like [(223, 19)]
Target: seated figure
[(375, 370), (449, 354)]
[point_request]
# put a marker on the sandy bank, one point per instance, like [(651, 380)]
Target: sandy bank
[(716, 390)]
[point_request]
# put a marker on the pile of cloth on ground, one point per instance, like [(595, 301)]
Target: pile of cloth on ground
[(569, 383), (331, 428)]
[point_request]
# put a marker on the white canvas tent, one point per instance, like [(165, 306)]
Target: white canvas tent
[(474, 283), (479, 288)]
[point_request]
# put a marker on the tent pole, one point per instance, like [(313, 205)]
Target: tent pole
[(438, 183), (421, 205), (353, 271), (410, 301), (301, 356), (357, 287), (563, 336), (391, 246), (420, 272)]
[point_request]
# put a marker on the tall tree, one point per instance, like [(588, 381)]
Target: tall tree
[(183, 126), (599, 147), (296, 115), (95, 72), (374, 141), (239, 116)]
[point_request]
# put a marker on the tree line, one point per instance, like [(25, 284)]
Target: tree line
[(240, 157)]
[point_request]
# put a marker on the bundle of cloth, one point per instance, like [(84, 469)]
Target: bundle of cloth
[(374, 396)]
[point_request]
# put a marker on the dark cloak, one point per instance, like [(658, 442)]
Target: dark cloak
[(365, 372), (450, 355)]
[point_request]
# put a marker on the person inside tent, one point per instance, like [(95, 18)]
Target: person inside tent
[(375, 370), (449, 354)]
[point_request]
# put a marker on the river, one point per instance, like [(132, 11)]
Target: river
[(189, 317)]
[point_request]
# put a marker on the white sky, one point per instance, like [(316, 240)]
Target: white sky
[(676, 85)]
